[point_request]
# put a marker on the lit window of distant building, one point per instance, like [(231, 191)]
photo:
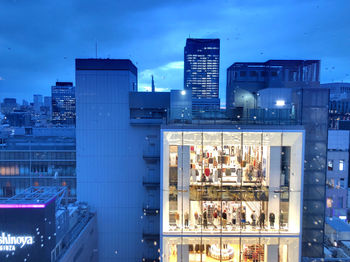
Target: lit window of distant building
[(329, 202), (341, 165), (330, 165)]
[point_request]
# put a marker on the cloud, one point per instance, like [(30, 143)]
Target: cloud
[(173, 65), (166, 77), (39, 40), (1, 78)]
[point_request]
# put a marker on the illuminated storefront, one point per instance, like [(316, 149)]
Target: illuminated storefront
[(231, 195)]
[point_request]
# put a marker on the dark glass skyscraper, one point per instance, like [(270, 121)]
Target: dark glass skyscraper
[(63, 103), (201, 74)]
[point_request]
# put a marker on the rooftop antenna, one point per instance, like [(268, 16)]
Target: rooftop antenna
[(153, 87)]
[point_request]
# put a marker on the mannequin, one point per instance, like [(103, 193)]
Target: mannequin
[(224, 219), (253, 217), (234, 217), (262, 220), (243, 221), (193, 173), (186, 219), (205, 219), (272, 220)]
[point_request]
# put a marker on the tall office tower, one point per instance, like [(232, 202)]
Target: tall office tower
[(8, 105), (37, 157), (201, 73), (289, 90), (63, 103), (118, 159), (38, 102), (48, 102)]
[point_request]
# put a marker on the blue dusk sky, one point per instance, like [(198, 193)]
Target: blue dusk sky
[(39, 39)]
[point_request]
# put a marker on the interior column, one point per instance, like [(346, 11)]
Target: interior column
[(183, 183)]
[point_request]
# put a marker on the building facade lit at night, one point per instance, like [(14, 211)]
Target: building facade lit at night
[(231, 195), (201, 72)]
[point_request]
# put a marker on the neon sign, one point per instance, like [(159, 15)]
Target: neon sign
[(9, 243)]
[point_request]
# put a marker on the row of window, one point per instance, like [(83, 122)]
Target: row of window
[(255, 73), (335, 183), (7, 155), (331, 165)]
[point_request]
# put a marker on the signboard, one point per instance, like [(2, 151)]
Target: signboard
[(27, 232)]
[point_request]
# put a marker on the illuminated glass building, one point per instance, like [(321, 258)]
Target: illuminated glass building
[(231, 195), (201, 73), (63, 103)]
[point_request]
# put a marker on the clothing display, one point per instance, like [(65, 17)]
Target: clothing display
[(236, 173), (262, 220), (272, 219)]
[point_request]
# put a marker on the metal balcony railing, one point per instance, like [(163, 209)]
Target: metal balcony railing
[(151, 181)]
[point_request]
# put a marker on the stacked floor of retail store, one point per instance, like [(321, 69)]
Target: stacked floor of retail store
[(231, 196)]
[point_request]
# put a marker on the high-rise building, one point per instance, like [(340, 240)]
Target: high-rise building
[(8, 105), (201, 73), (63, 103), (38, 102), (111, 163), (135, 149), (289, 90)]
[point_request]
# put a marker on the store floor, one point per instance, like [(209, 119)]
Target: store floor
[(197, 257), (230, 230)]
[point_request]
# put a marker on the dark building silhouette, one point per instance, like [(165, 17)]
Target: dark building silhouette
[(8, 105), (201, 72)]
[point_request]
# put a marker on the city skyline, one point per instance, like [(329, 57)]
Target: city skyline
[(157, 47)]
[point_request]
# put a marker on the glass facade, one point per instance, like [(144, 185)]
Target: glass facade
[(63, 103), (201, 71), (231, 196)]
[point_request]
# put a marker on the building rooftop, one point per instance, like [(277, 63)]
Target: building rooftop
[(273, 63), (34, 197), (105, 64)]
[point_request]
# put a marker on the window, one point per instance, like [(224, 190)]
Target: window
[(252, 73), (341, 165), (329, 202), (273, 73), (330, 165), (242, 73), (342, 183)]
